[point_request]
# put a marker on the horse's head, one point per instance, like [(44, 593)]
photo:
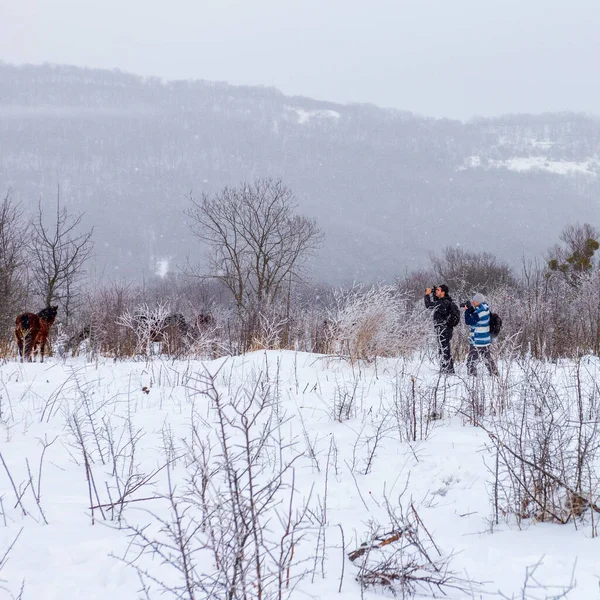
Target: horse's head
[(48, 314)]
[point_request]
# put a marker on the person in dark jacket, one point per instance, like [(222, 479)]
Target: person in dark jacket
[(439, 301), (477, 316)]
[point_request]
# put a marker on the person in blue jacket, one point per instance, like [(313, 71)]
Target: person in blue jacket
[(477, 316)]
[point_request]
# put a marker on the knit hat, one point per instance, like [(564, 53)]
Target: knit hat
[(479, 298), (444, 288)]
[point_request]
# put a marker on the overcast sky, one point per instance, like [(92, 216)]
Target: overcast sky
[(444, 58)]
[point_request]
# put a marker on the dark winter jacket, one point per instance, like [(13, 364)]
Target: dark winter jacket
[(442, 307)]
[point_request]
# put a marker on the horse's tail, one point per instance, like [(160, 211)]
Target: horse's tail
[(23, 328), (24, 323)]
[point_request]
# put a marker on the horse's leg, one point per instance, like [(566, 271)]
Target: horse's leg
[(35, 340), (28, 348), (35, 350), (42, 342), (20, 345)]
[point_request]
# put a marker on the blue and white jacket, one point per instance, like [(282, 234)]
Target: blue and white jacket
[(479, 320)]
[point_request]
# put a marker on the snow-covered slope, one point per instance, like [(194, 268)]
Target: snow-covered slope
[(338, 458)]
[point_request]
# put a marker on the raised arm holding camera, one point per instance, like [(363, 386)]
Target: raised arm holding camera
[(446, 316), (477, 316)]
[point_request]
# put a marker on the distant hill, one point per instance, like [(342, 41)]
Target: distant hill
[(386, 186)]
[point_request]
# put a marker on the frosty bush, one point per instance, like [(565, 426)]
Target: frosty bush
[(547, 446), (375, 321), (145, 322), (416, 406), (235, 529), (550, 317)]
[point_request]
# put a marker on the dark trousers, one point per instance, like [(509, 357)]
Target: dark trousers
[(484, 353), (444, 335)]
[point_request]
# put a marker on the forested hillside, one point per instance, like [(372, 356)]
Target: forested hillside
[(385, 186)]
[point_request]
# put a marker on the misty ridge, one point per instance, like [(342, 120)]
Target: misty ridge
[(387, 187)]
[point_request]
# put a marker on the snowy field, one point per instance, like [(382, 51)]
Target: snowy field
[(265, 474)]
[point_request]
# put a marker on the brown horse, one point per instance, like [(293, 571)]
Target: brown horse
[(32, 332)]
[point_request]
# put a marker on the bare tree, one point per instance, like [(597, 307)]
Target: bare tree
[(13, 280), (257, 244), (59, 252), (466, 272)]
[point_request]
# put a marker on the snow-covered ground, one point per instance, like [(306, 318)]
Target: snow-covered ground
[(304, 116), (325, 449), (520, 164)]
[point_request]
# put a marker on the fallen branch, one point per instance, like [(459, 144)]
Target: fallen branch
[(378, 542)]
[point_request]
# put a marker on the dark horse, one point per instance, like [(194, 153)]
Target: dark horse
[(32, 331)]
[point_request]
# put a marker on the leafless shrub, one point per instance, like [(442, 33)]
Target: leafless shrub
[(403, 558), (13, 269), (379, 430), (99, 323), (269, 334), (368, 442), (110, 442), (311, 444), (81, 444), (416, 406), (32, 484), (238, 479), (347, 396), (207, 333), (3, 560), (375, 321), (477, 400), (533, 589), (35, 484), (7, 416), (547, 446), (552, 318), (145, 322), (119, 322), (18, 491), (128, 482)]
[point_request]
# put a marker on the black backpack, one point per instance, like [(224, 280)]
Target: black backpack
[(495, 324), (454, 317)]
